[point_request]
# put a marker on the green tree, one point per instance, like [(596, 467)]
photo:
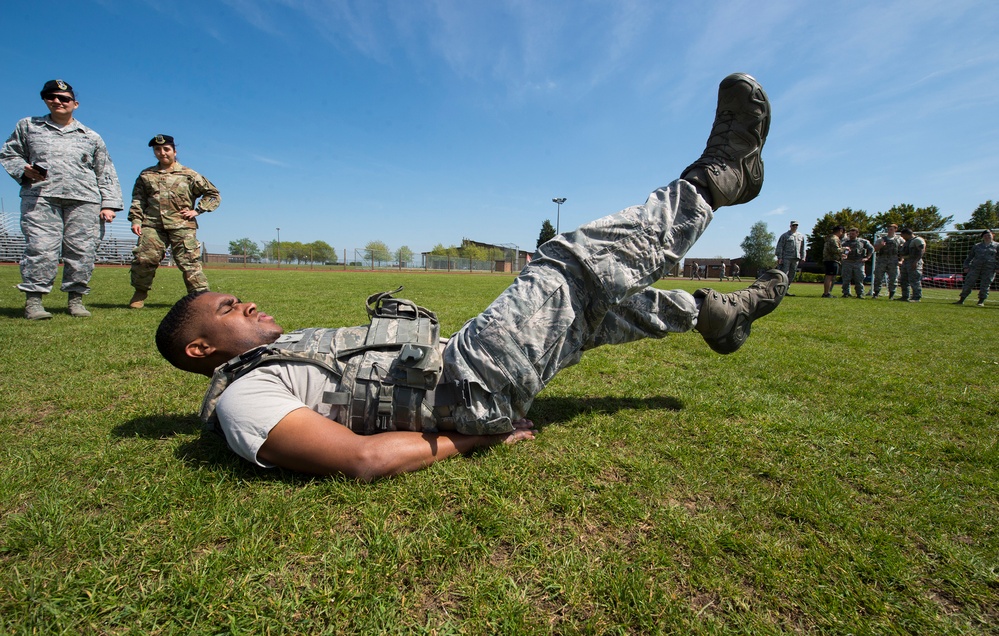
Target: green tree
[(758, 248), (473, 252), (847, 217), (320, 252), (403, 256), (377, 251), (294, 251), (439, 250), (985, 216), (547, 233), (245, 247), (924, 220)]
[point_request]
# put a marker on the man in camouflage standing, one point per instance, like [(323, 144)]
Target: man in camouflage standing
[(68, 188), (790, 250), (887, 262), (911, 274), (832, 254), (980, 267), (163, 213), (858, 252)]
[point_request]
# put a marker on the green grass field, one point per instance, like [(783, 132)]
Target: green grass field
[(838, 475)]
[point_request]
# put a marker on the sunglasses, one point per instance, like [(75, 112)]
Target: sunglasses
[(65, 99)]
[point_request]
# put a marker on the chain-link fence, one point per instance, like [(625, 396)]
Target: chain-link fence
[(117, 242)]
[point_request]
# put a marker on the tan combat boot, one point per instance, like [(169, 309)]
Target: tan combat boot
[(33, 309), (139, 299), (725, 320), (731, 168), (76, 308)]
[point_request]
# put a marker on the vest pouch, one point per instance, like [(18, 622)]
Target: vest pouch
[(418, 366), (377, 404)]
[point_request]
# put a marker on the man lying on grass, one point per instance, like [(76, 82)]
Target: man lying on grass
[(308, 401)]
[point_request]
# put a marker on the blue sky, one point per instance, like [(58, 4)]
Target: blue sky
[(416, 123)]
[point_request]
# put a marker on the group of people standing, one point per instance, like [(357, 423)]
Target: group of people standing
[(899, 262), (69, 189)]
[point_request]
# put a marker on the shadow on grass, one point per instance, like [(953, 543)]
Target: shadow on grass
[(158, 426), (209, 452), (554, 410), (124, 305)]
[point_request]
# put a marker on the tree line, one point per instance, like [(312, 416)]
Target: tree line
[(284, 251)]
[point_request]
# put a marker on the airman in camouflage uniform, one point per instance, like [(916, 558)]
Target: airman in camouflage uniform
[(832, 256), (789, 251), (886, 262), (858, 251), (980, 267), (68, 188), (911, 273), (164, 212), (584, 289)]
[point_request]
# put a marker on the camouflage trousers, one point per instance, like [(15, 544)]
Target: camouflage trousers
[(790, 267), (981, 273), (149, 251), (882, 267), (853, 274), (51, 227), (584, 289), (910, 275)]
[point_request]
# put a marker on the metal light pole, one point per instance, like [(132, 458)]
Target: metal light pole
[(279, 246), (558, 211)]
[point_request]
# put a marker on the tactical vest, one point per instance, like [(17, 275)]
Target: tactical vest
[(388, 373)]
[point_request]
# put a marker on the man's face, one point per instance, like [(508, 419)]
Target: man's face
[(794, 227), (853, 235), (166, 155), (839, 233), (231, 326), (987, 237), (891, 230), (60, 103)]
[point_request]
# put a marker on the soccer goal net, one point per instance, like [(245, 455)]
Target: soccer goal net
[(943, 262)]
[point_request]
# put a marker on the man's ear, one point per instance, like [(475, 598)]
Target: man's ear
[(199, 348)]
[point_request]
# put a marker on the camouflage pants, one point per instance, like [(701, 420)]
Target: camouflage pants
[(884, 266), (584, 289), (52, 226), (790, 267), (149, 251), (911, 275), (980, 273), (853, 274)]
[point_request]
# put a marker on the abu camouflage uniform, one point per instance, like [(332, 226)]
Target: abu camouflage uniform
[(60, 214), (583, 289), (158, 198), (911, 273), (886, 262), (981, 266), (853, 266), (789, 251)]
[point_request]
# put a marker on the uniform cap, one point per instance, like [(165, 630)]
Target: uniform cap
[(57, 86), (794, 222), (161, 140)]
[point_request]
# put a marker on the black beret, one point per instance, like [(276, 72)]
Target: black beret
[(57, 86), (162, 140)]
